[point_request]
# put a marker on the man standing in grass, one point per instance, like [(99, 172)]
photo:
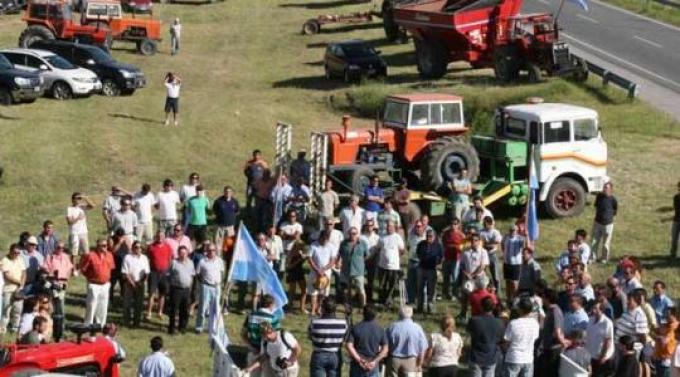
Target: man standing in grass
[(77, 223), (158, 364), (210, 271), (172, 85), (606, 207), (14, 277), (198, 216), (175, 34)]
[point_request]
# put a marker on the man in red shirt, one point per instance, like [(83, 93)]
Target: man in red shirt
[(452, 240), (96, 267), (160, 258), (480, 293)]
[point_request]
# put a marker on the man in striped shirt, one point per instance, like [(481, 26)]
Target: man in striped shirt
[(327, 334), (633, 322)]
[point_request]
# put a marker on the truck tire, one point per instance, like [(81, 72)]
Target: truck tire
[(5, 97), (566, 198), (311, 26), (444, 159), (535, 75), (34, 33), (360, 179), (505, 64), (146, 47), (431, 58)]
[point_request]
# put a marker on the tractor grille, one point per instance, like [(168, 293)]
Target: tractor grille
[(561, 54)]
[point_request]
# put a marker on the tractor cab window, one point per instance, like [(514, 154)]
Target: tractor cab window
[(58, 12), (515, 128), (396, 112), (420, 115), (445, 113), (38, 11), (585, 129), (556, 132), (95, 10), (543, 28)]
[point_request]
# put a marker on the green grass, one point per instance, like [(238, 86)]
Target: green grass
[(651, 8), (245, 66)]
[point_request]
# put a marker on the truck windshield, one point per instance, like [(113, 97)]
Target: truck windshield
[(396, 112), (4, 63), (59, 62), (585, 129)]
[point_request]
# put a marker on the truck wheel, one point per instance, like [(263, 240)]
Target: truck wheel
[(444, 159), (432, 61), (535, 74), (61, 91), (505, 64), (146, 47), (566, 198), (361, 177), (34, 33), (110, 88), (5, 97), (311, 26)]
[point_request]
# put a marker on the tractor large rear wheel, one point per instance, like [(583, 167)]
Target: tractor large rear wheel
[(566, 198), (506, 64), (431, 57), (444, 159), (33, 34)]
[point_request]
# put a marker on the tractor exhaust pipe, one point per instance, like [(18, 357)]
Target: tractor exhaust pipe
[(346, 123)]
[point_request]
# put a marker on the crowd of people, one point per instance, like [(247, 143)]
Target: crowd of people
[(168, 254)]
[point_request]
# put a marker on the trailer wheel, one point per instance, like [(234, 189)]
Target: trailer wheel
[(33, 34), (146, 47), (431, 56), (505, 64), (312, 26), (361, 177), (566, 198), (535, 74), (444, 159)]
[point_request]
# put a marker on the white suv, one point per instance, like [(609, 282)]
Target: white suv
[(63, 80)]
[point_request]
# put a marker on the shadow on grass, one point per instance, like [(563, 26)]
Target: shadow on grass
[(310, 83), (8, 117), (317, 45), (400, 59), (318, 63), (135, 118), (350, 27), (330, 4)]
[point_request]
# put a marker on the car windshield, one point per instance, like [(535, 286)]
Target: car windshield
[(99, 55), (4, 63), (59, 62), (396, 112), (357, 50)]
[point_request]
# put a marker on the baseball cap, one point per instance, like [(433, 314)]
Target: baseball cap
[(32, 240)]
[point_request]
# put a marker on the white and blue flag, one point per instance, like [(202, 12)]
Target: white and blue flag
[(247, 264), (218, 334), (532, 215)]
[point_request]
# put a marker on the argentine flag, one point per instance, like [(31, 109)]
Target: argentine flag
[(532, 215), (247, 264)]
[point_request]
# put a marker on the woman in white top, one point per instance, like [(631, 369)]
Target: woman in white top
[(445, 349)]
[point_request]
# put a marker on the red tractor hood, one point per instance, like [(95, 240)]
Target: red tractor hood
[(344, 147)]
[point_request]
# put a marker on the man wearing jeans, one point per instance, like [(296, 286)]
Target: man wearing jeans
[(452, 241), (485, 332), (518, 341), (182, 273), (96, 267), (430, 255), (606, 207), (210, 271), (327, 334), (367, 346)]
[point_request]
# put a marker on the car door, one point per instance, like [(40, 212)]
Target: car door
[(41, 67), (555, 147), (17, 59)]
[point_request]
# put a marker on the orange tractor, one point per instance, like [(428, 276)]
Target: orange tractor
[(108, 14), (53, 19)]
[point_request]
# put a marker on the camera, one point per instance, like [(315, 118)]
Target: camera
[(282, 362)]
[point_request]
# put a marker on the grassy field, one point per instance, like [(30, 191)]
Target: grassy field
[(651, 8), (245, 66)]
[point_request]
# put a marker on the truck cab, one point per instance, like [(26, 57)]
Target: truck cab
[(565, 144)]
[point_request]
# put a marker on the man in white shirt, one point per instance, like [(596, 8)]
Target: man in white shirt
[(158, 364), (322, 258), (144, 202), (491, 241), (135, 270), (111, 205), (471, 213), (518, 342), (77, 224), (126, 219), (473, 263), (166, 203), (328, 201), (600, 341), (289, 231), (280, 349), (276, 245), (391, 248), (352, 216), (513, 244), (581, 237), (413, 261), (210, 272), (172, 85), (372, 239)]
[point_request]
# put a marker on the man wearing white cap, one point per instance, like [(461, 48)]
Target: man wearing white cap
[(175, 32), (32, 259)]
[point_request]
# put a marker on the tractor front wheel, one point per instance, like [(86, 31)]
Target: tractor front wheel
[(566, 198), (146, 47), (444, 159), (431, 57), (535, 74), (34, 33), (505, 64), (361, 177)]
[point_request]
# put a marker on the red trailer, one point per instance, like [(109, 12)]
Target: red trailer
[(485, 33)]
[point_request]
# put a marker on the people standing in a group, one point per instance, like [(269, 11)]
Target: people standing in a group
[(77, 224), (660, 301), (327, 334), (407, 345), (675, 228), (198, 216), (226, 209), (187, 192), (144, 202), (172, 85), (529, 271), (600, 341), (280, 350), (328, 202), (135, 271), (181, 277), (445, 349), (374, 196), (158, 364), (301, 168), (59, 266), (47, 240), (367, 345), (606, 207), (391, 248), (472, 264), (167, 202), (322, 259), (414, 239), (210, 272), (372, 239), (295, 273), (175, 36), (14, 277), (518, 341), (160, 259), (33, 260), (430, 256), (402, 201), (96, 267), (353, 216)]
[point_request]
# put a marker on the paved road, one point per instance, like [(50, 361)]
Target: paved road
[(626, 43)]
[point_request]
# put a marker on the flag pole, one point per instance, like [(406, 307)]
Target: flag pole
[(227, 285), (557, 15)]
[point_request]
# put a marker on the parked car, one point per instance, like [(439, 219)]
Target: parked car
[(63, 80), (137, 6), (18, 86), (117, 78), (353, 60), (9, 7)]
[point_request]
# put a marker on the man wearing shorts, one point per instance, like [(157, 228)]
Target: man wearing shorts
[(172, 84), (77, 224), (513, 243), (321, 260), (160, 258), (353, 253)]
